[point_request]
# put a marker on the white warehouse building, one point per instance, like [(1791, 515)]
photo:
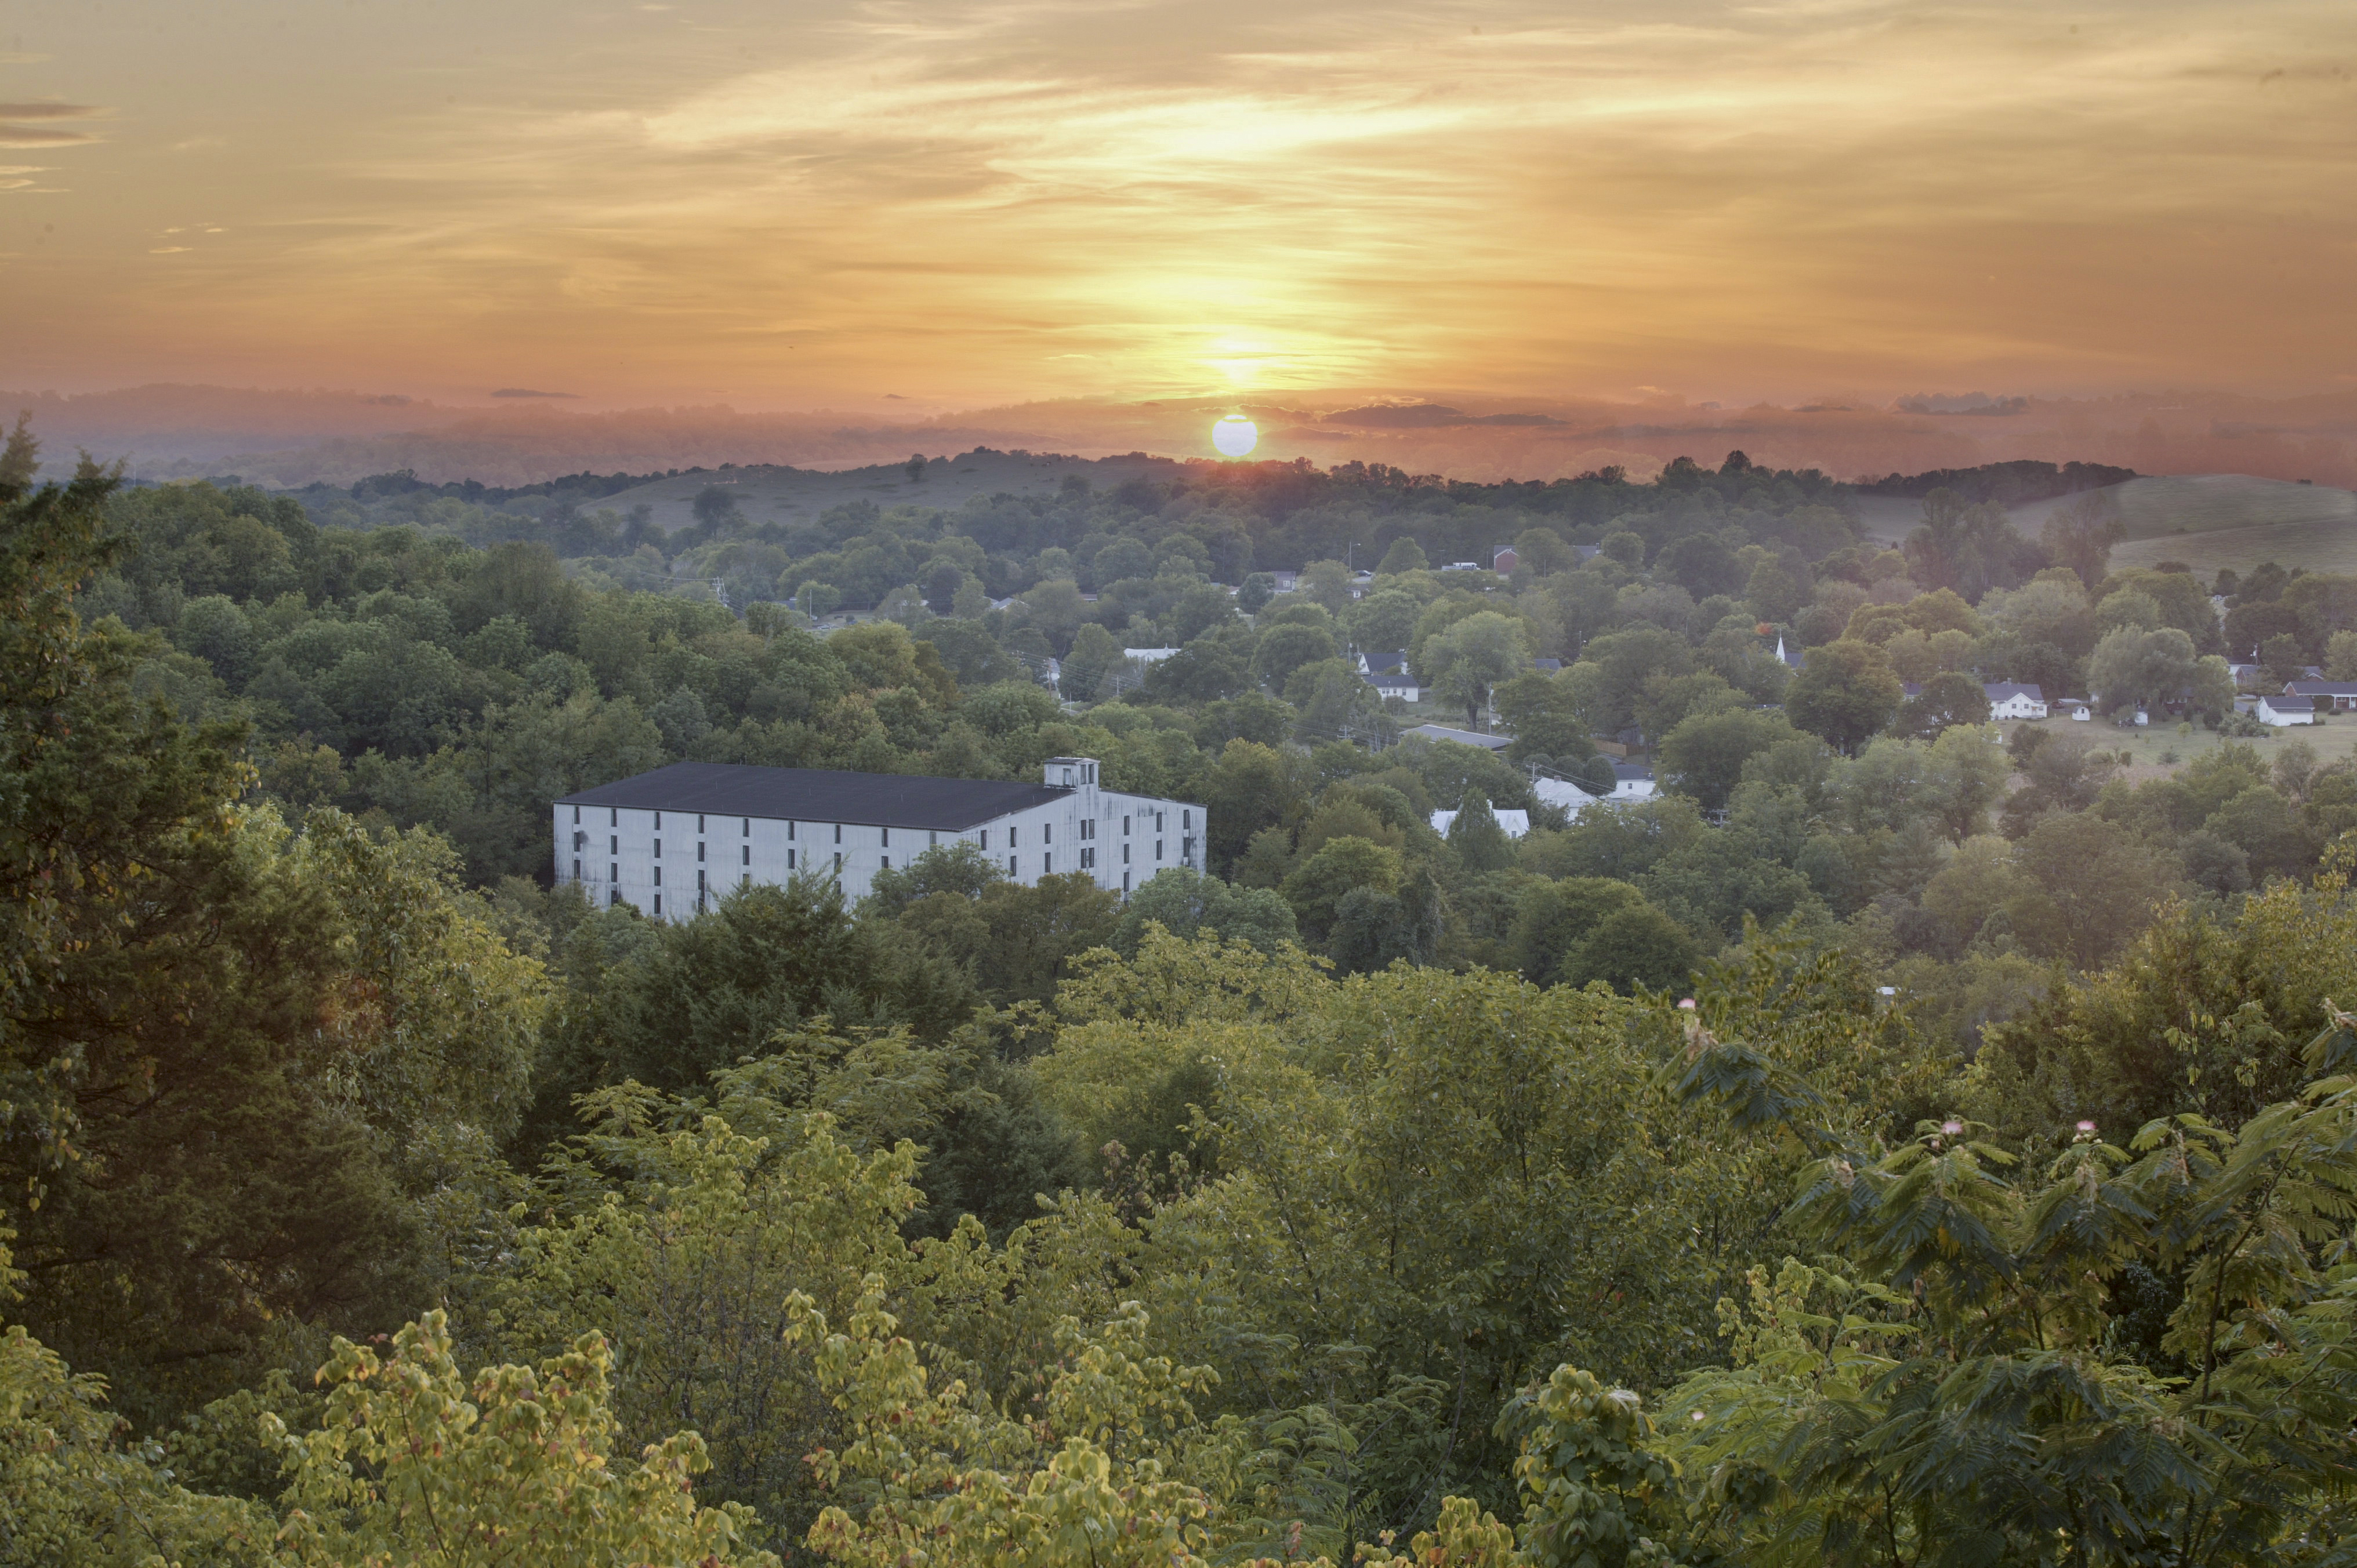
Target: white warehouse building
[(670, 843)]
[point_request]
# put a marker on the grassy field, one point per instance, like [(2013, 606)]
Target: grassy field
[(2331, 740), (2207, 521)]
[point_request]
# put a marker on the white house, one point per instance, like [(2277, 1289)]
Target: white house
[(1148, 655), (1564, 793), (2281, 709), (2010, 700), (670, 841), (1631, 781), (1383, 662), (1516, 823), (1396, 685), (2332, 697)]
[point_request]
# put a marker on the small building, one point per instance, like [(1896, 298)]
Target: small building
[(2079, 710), (1396, 685), (1563, 793), (1547, 666), (728, 825), (1789, 660), (1149, 655), (1462, 737), (1631, 781), (1516, 823), (1504, 559), (2281, 710), (2331, 696), (1586, 552), (2012, 700), (1462, 566), (1384, 663)]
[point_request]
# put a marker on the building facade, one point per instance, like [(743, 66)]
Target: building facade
[(670, 843)]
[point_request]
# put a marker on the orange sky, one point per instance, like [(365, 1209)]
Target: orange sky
[(785, 205)]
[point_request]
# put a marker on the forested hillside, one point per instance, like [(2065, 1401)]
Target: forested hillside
[(1892, 1145)]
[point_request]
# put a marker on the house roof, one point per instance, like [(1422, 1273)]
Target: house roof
[(819, 795), (1632, 772), (1393, 679), (1385, 664), (2003, 690), (2283, 702), (2323, 688), (1463, 736), (1547, 665)]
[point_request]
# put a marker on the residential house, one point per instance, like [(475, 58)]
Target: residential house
[(1504, 559), (1380, 663), (1631, 781), (1397, 683), (2012, 700), (2332, 697)]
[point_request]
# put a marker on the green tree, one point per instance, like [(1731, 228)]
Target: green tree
[(1705, 755), (1474, 834), (1844, 693), (1478, 653)]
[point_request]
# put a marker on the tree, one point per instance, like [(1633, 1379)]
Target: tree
[(1405, 555), (1326, 583), (1183, 902), (1474, 834), (417, 1464), (1544, 713), (1258, 588), (1471, 657), (1948, 699), (1845, 691), (1704, 755), (2132, 669), (2081, 534), (1284, 649)]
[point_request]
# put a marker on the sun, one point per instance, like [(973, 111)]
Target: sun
[(1235, 435)]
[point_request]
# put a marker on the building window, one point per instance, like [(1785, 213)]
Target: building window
[(657, 822), (658, 849), (1158, 849), (699, 882), (748, 828), (1047, 865), (1125, 881), (576, 816), (1012, 840), (1010, 867), (887, 837), (1125, 855), (613, 897), (699, 854), (613, 843), (613, 874), (1124, 824), (748, 855), (789, 831), (888, 862), (699, 821), (932, 838), (1047, 832), (1186, 849), (613, 819), (790, 860), (658, 875), (576, 871), (985, 841), (838, 836), (1157, 825), (838, 862), (1186, 819), (658, 904)]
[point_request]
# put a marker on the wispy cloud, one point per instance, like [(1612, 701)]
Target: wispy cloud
[(1036, 196)]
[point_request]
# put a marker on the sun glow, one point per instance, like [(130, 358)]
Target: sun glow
[(1235, 435)]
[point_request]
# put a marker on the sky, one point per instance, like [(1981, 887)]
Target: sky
[(939, 206)]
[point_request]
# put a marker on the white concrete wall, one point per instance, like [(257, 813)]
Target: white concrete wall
[(1128, 839)]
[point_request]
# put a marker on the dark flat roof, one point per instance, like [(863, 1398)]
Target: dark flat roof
[(818, 795)]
